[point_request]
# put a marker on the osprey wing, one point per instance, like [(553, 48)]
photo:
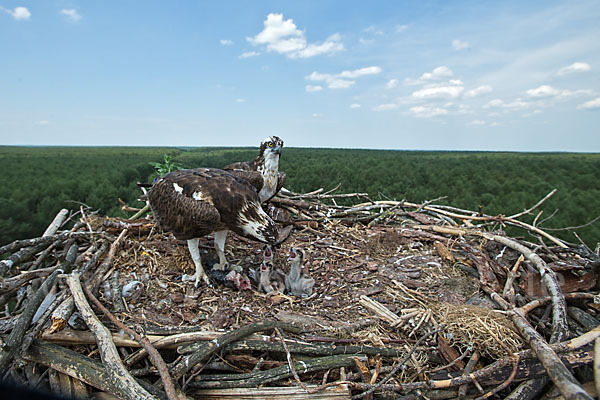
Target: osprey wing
[(181, 204)]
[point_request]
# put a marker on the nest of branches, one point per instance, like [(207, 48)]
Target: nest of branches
[(411, 299)]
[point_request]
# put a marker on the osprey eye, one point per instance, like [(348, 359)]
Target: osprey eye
[(270, 144)]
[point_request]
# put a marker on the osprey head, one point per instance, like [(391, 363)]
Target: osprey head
[(296, 255), (271, 146)]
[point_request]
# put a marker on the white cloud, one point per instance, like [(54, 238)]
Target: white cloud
[(401, 28), (439, 92), (71, 14), (477, 122), (574, 68), (478, 91), (248, 54), (313, 88), (343, 79), (386, 107), (427, 112), (460, 45), (226, 42), (543, 91), (392, 83), (19, 13), (546, 91), (282, 36), (590, 105), (317, 115), (240, 100), (439, 73), (499, 103), (42, 122), (354, 105)]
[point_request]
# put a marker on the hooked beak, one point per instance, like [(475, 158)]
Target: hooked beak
[(277, 150)]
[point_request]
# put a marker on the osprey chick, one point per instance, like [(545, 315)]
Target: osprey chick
[(296, 281), (263, 172), (192, 203)]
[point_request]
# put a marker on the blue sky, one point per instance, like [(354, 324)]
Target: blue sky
[(448, 75)]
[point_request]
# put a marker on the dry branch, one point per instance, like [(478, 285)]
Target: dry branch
[(120, 379)]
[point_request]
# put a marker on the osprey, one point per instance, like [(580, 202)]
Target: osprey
[(263, 171), (192, 203)]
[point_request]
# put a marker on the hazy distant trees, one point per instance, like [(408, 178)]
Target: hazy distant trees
[(38, 181)]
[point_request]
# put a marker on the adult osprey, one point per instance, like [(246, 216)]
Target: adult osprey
[(263, 171), (192, 203)]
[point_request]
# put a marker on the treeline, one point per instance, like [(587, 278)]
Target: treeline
[(39, 181)]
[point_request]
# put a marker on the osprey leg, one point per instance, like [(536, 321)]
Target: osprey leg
[(220, 238), (200, 274)]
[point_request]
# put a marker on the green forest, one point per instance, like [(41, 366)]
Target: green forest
[(38, 181)]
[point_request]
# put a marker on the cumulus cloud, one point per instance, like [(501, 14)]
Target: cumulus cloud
[(240, 100), (460, 45), (499, 103), (590, 105), (282, 36), (392, 83), (343, 80), (441, 72), (401, 28), (313, 88), (354, 105), (439, 92), (18, 13), (226, 42), (574, 68), (427, 112), (478, 91), (543, 91), (546, 91), (248, 54), (71, 14)]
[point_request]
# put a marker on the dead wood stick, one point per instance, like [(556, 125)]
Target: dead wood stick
[(462, 390), (20, 256), (14, 340), (190, 361), (297, 347), (525, 309), (492, 374), (120, 380), (505, 383), (19, 244), (56, 223), (78, 366), (141, 212), (154, 355), (11, 284), (274, 374), (63, 312), (558, 373), (539, 203)]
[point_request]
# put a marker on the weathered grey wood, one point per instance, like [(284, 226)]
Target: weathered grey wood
[(274, 393), (14, 340), (77, 366), (120, 379), (274, 374), (188, 362), (56, 222)]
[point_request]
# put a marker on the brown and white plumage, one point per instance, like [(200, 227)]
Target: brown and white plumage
[(195, 202), (263, 172)]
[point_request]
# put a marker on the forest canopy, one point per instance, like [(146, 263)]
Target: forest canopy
[(38, 181)]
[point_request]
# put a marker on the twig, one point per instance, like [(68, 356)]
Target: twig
[(154, 355), (505, 383), (190, 361), (539, 203), (120, 380), (400, 363)]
